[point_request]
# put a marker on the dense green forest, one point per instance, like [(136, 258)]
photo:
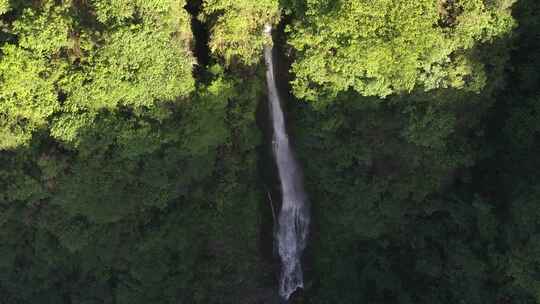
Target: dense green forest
[(135, 166)]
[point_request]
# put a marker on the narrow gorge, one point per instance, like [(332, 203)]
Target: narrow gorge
[(294, 217)]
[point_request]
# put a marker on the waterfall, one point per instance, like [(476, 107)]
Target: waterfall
[(293, 219)]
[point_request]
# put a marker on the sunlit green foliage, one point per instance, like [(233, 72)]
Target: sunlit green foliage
[(62, 70), (28, 96), (137, 67), (4, 6), (45, 30), (386, 46), (237, 27)]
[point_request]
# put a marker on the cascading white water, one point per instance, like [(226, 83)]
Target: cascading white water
[(293, 220)]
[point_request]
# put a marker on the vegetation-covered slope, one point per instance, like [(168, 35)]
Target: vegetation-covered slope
[(132, 169)]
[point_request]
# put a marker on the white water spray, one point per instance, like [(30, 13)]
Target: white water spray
[(293, 220)]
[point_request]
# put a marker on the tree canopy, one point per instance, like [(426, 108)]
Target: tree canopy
[(384, 47), (72, 60), (237, 26)]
